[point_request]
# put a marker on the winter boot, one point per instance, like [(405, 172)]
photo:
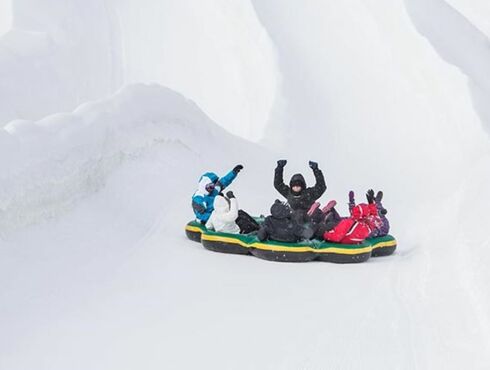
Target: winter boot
[(328, 207), (313, 208)]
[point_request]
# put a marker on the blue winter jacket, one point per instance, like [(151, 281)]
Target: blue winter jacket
[(202, 200)]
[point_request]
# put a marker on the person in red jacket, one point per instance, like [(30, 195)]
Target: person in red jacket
[(356, 228)]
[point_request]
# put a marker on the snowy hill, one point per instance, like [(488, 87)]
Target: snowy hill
[(222, 58), (97, 174), (99, 182), (49, 165)]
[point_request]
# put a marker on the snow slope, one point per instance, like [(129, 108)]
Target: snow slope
[(476, 11), (95, 272), (113, 283), (460, 43), (52, 62), (5, 16), (115, 278), (400, 97), (117, 172), (49, 165), (222, 59)]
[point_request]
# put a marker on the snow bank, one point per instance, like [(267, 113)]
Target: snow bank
[(477, 11), (48, 165), (368, 95), (222, 59), (214, 52), (463, 45), (365, 92), (460, 43), (51, 61), (5, 16)]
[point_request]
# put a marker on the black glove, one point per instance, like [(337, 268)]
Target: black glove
[(230, 195), (237, 169), (351, 197), (370, 196), (281, 163), (313, 165), (379, 197)]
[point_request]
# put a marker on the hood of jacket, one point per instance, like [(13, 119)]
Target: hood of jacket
[(296, 180), (206, 179)]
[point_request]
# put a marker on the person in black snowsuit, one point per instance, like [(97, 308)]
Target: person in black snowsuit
[(280, 226), (299, 197)]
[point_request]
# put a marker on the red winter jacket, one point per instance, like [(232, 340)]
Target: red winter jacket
[(355, 229)]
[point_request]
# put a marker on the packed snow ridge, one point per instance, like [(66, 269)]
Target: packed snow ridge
[(48, 165), (215, 53)]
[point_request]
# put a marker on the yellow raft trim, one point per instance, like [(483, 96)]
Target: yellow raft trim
[(193, 229), (280, 248), (391, 243)]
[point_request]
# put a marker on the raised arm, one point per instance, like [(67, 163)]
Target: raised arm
[(352, 201), (370, 196), (279, 184), (320, 185), (379, 197), (226, 180)]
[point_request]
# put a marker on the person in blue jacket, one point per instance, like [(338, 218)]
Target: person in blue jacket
[(210, 185)]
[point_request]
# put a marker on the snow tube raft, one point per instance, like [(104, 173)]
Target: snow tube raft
[(290, 252)]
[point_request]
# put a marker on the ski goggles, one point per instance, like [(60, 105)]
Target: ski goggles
[(210, 187)]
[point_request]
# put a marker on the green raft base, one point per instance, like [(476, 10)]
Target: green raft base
[(290, 252)]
